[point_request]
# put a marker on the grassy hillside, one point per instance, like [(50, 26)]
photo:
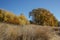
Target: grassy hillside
[(26, 32)]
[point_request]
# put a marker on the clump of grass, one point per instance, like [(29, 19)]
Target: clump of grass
[(27, 32)]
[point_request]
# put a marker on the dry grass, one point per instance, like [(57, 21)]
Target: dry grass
[(27, 32)]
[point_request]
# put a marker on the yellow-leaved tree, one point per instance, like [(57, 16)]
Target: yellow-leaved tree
[(9, 17), (23, 20), (1, 15), (44, 17)]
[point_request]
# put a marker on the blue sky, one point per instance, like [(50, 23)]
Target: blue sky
[(25, 6)]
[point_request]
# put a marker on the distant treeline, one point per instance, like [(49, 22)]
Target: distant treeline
[(9, 17), (40, 16)]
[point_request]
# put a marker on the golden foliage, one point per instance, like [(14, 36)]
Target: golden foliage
[(42, 16), (23, 20), (9, 17), (1, 15)]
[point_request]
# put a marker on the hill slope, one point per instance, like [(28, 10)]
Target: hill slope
[(26, 32)]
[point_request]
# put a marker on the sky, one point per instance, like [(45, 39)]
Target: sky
[(26, 6)]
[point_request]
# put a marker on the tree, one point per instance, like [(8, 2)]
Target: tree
[(59, 23), (23, 20), (44, 17), (8, 17), (15, 20), (1, 15)]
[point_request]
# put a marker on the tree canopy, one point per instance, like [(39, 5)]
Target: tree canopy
[(44, 17), (9, 17)]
